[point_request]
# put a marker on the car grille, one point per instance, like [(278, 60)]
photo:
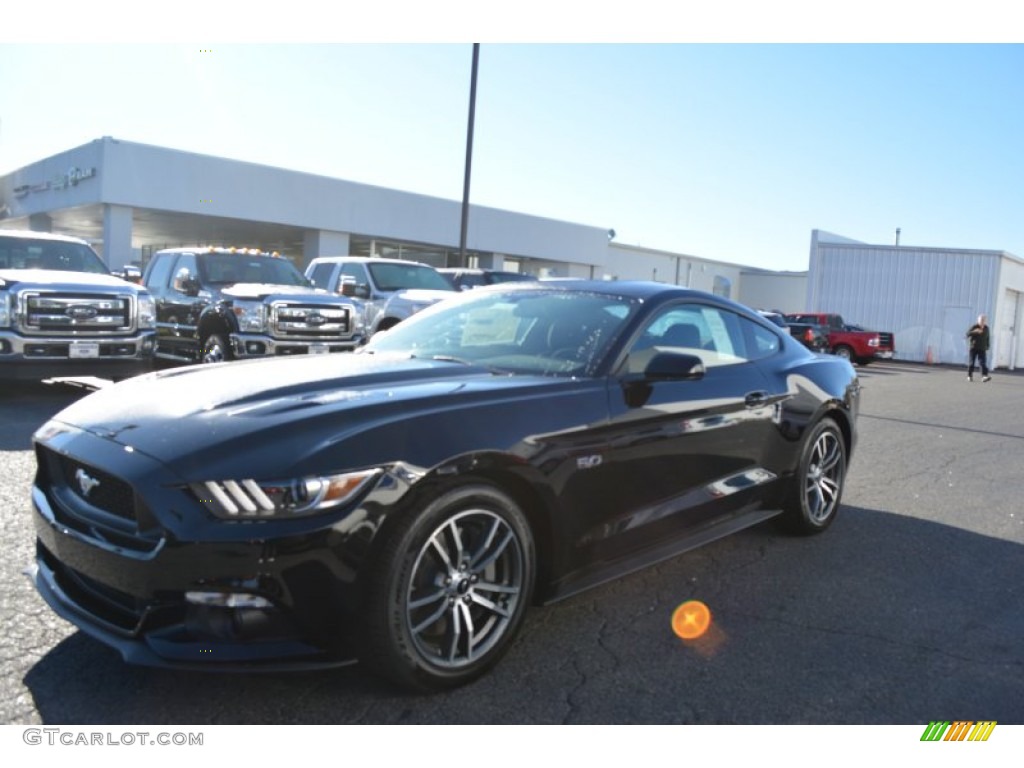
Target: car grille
[(95, 503), (885, 340), (308, 321), (98, 488), (75, 314)]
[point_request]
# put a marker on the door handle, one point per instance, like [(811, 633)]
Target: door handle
[(755, 399)]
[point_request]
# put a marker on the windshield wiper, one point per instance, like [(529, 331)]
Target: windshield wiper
[(445, 359), (463, 361)]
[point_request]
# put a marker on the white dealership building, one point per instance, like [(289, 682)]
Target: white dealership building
[(131, 199)]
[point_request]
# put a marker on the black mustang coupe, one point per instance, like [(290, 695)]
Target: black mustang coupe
[(403, 505)]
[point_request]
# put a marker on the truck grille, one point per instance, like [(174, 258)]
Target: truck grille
[(75, 314), (308, 321), (885, 341)]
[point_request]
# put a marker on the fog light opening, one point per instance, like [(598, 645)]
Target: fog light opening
[(228, 600)]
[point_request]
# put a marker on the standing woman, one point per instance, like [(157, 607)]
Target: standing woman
[(978, 339)]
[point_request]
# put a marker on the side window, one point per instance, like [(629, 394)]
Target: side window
[(184, 269), (761, 342), (717, 336), (321, 275), (356, 271), (159, 272)]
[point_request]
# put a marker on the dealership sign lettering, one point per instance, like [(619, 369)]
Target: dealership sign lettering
[(60, 181)]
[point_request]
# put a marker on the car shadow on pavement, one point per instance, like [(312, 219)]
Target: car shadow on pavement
[(884, 619), (36, 402)]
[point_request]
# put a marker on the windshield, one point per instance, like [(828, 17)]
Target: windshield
[(25, 253), (536, 331), (230, 268), (395, 277)]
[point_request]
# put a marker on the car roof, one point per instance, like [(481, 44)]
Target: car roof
[(202, 249), (32, 235), (365, 260), (633, 289)]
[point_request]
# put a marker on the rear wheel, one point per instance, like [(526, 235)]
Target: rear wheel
[(844, 352), (450, 590), (812, 499)]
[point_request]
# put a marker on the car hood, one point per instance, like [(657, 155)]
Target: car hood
[(55, 278), (265, 290), (422, 295), (276, 413)]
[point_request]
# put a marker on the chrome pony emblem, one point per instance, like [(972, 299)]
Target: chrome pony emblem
[(85, 482)]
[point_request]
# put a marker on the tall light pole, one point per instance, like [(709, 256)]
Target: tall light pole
[(469, 157)]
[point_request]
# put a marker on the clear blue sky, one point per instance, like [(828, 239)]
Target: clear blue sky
[(724, 151)]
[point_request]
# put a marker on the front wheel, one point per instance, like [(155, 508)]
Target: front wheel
[(450, 589), (214, 349), (812, 499)]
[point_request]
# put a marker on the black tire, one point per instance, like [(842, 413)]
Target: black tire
[(815, 491), (844, 352), (466, 560), (214, 349)]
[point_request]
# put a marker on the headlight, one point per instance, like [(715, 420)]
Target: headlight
[(5, 309), (147, 311), (248, 499), (252, 316), (357, 316)]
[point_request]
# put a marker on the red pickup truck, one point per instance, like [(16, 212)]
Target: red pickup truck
[(850, 341)]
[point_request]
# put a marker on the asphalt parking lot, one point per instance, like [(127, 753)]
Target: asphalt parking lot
[(909, 609)]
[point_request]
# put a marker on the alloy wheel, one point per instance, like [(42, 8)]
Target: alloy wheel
[(824, 479), (466, 584)]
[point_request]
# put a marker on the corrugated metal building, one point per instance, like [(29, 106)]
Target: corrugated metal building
[(928, 297)]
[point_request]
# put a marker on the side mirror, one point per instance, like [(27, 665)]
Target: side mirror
[(185, 283), (355, 290), (662, 366), (669, 366), (190, 286)]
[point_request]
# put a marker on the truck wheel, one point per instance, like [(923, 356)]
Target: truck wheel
[(844, 352), (214, 349)]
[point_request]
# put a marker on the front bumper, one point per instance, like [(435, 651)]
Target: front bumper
[(33, 357), (129, 576), (178, 647), (251, 345)]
